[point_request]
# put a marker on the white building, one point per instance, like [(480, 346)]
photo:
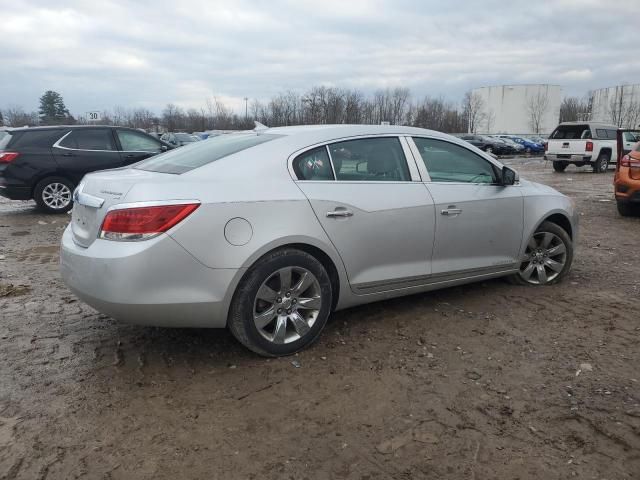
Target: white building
[(518, 109), (618, 105)]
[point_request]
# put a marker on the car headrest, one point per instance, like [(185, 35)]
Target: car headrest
[(381, 162)]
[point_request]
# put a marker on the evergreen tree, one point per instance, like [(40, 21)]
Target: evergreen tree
[(52, 108)]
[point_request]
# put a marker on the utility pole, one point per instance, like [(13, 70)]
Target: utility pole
[(246, 108)]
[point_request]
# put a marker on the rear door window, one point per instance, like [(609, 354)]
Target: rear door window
[(313, 165), (378, 159), (89, 139)]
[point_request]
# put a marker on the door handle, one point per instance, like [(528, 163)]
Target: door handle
[(131, 155), (68, 154), (340, 213), (451, 210)]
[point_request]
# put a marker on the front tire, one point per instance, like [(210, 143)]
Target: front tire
[(626, 209), (54, 195), (282, 304), (548, 257), (559, 166)]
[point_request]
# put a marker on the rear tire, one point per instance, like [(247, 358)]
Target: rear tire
[(559, 166), (627, 209), (54, 195), (602, 163), (273, 316)]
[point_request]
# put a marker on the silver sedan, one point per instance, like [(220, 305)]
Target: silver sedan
[(267, 232)]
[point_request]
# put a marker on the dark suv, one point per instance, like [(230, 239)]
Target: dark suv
[(46, 163)]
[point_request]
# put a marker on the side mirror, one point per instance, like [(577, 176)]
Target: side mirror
[(164, 148), (364, 168), (509, 176)]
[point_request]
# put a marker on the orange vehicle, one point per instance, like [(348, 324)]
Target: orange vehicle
[(627, 179)]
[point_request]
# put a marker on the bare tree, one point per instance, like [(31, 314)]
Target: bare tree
[(15, 116), (537, 106), (474, 109), (624, 112), (574, 109)]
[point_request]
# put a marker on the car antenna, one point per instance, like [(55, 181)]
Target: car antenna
[(259, 127)]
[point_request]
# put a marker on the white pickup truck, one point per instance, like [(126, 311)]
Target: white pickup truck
[(582, 143)]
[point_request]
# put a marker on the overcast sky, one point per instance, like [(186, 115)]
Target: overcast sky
[(133, 53)]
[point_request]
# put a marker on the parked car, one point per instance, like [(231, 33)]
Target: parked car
[(268, 232), (627, 178), (46, 163), (486, 144), (582, 143), (179, 139), (513, 147), (528, 146)]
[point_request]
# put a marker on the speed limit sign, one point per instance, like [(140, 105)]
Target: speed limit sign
[(94, 116)]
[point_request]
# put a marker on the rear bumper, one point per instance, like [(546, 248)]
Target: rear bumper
[(154, 282), (627, 189), (13, 192), (553, 157)]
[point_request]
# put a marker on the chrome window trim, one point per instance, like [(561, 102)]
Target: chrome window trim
[(57, 145), (333, 169), (300, 151), (414, 173), (417, 157)]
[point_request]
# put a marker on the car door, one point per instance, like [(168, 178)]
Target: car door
[(84, 150), (374, 209), (135, 146), (479, 223)]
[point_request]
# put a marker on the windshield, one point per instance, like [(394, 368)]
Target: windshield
[(185, 159), (185, 137)]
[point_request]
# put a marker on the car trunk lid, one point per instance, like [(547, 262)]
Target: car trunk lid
[(97, 192)]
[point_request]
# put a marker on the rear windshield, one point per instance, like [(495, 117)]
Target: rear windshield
[(569, 132), (5, 138), (197, 154)]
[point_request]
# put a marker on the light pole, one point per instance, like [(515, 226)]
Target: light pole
[(246, 108)]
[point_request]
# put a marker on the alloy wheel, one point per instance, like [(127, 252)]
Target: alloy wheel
[(287, 305), (544, 258), (56, 195)]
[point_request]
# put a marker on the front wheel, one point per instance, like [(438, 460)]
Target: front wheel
[(547, 258), (282, 304), (627, 209)]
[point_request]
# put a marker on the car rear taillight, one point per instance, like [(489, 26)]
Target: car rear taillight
[(546, 146), (142, 223), (589, 147), (7, 157), (629, 161)]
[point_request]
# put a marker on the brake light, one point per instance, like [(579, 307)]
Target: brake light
[(6, 157), (629, 161), (589, 147), (142, 223), (546, 146)]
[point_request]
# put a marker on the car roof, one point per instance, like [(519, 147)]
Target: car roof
[(67, 127), (310, 134), (600, 124)]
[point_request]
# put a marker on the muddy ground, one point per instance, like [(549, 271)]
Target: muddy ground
[(477, 382)]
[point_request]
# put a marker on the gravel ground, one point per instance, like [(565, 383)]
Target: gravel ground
[(476, 382)]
